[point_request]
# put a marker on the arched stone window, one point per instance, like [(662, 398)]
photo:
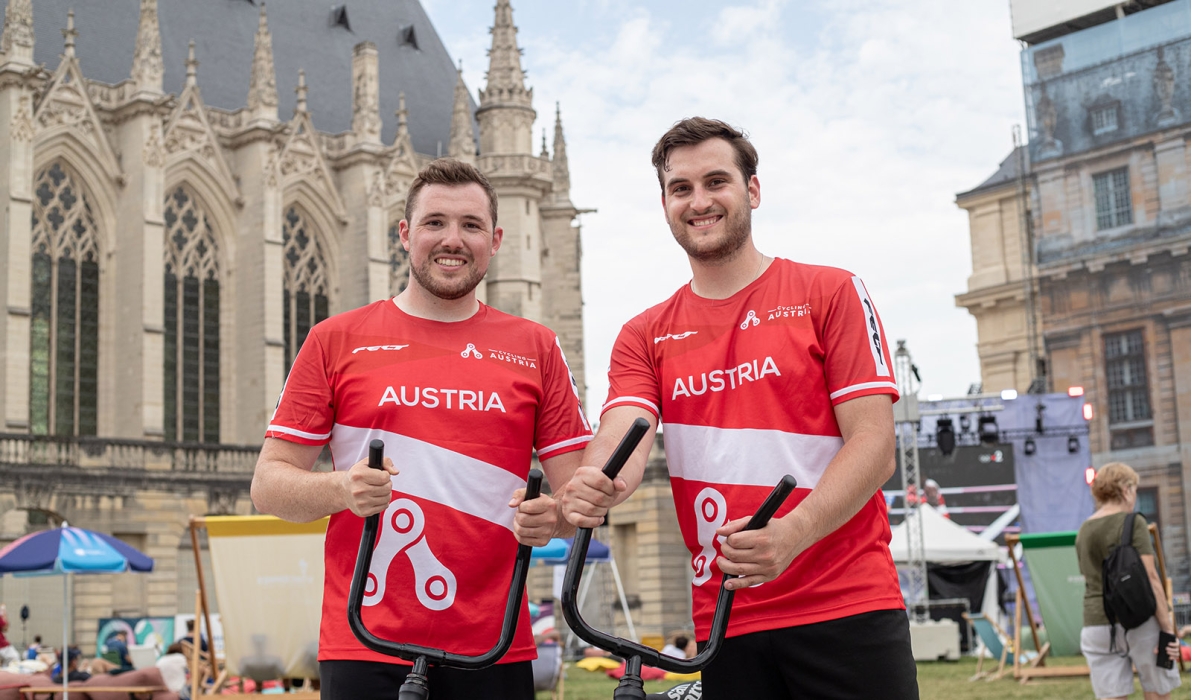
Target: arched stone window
[(305, 289), (191, 352), (399, 263), (64, 328)]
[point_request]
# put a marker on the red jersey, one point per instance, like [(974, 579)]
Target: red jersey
[(461, 407), (745, 389)]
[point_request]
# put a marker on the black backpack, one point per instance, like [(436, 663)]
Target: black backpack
[(1125, 586)]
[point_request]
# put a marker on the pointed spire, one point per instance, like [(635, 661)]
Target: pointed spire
[(506, 79), (560, 171), (300, 91), (17, 40), (545, 153), (462, 145), (262, 88), (146, 60), (68, 36), (192, 65)]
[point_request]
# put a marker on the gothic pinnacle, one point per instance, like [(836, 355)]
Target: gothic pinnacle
[(192, 65), (506, 80), (262, 89), (300, 91), (69, 35), (146, 61), (17, 40), (401, 113), (461, 144), (560, 171)]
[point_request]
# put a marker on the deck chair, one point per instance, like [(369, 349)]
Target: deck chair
[(999, 645)]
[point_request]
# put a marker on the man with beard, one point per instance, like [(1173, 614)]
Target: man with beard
[(762, 367), (462, 395)]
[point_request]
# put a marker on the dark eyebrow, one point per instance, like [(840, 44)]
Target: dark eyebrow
[(467, 217), (711, 173)]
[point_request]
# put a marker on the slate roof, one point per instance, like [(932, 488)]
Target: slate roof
[(1007, 171), (304, 36)]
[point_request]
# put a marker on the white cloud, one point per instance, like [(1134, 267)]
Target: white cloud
[(868, 121)]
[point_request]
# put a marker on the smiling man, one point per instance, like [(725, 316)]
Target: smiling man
[(428, 372), (763, 367)]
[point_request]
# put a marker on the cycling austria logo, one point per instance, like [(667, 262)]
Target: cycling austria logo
[(403, 523)]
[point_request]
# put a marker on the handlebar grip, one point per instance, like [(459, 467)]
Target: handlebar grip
[(772, 502), (626, 447), (534, 484), (376, 454)]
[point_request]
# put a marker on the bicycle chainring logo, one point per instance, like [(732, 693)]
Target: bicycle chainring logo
[(402, 524)]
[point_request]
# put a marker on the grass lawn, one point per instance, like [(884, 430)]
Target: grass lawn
[(937, 681)]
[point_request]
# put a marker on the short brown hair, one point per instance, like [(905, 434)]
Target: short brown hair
[(696, 130), (449, 171), (1111, 482)]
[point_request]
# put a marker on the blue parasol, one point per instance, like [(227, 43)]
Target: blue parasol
[(70, 550), (559, 549)]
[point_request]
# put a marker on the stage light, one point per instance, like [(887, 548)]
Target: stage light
[(1075, 391), (1088, 411), (1089, 475), (945, 436), (1028, 447), (987, 429), (1009, 394), (1073, 445), (966, 422)]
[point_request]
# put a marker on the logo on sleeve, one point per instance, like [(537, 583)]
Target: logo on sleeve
[(471, 351), (750, 318), (871, 330)]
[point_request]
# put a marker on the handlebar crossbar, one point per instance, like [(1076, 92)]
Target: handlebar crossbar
[(635, 653), (413, 652)]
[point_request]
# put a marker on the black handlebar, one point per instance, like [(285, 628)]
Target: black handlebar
[(413, 652), (629, 649)]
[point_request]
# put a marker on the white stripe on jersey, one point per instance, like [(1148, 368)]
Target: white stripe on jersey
[(468, 485), (565, 443), (298, 433), (747, 456), (873, 336), (865, 385), (632, 399)]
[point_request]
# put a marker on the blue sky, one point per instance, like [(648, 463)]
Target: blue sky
[(869, 116)]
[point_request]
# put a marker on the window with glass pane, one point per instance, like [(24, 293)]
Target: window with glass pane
[(64, 323), (191, 368), (304, 292), (1111, 193), (399, 263), (1148, 504), (1129, 396), (1105, 120)]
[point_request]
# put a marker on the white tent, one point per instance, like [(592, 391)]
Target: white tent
[(944, 542)]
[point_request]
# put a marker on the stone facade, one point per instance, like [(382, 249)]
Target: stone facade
[(1106, 193), (125, 400)]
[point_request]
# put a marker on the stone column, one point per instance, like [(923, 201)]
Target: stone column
[(16, 210)]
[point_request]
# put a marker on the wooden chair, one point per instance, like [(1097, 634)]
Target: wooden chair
[(999, 645)]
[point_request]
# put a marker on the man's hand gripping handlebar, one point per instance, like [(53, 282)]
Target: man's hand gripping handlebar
[(636, 654), (420, 655)]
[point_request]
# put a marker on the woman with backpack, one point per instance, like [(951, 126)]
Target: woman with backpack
[(1115, 553)]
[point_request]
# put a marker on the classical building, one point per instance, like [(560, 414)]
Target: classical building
[(187, 188), (1080, 241)]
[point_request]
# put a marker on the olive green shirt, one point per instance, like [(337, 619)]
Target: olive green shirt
[(1096, 539)]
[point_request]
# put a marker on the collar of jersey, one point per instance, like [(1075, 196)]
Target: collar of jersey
[(478, 317), (691, 297)]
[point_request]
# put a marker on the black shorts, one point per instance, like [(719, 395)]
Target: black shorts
[(862, 656), (360, 680)]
